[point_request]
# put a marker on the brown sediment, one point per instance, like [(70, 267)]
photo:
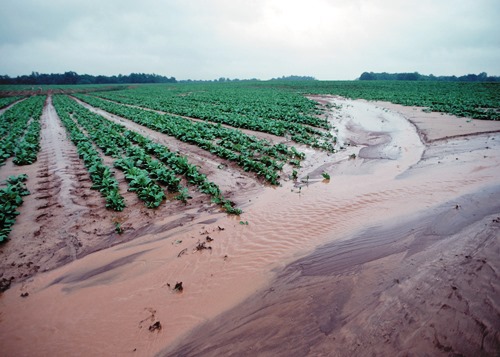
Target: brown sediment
[(433, 126), (427, 285), (107, 296), (46, 233)]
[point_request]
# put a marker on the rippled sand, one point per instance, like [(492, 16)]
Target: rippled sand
[(360, 263)]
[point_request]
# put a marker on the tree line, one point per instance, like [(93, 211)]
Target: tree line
[(75, 78), (415, 76)]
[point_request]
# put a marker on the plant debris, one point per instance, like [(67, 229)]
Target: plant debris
[(209, 239), (202, 246), (182, 252), (5, 284), (155, 326), (178, 287)]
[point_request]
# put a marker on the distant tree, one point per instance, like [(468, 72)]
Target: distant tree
[(365, 76), (294, 78), (74, 78), (415, 76)]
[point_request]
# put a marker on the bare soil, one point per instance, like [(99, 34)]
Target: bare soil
[(396, 253)]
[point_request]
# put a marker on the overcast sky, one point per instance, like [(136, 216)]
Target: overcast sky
[(208, 39)]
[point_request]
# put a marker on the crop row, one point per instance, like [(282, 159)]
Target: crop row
[(251, 102), (101, 176), (11, 197), (189, 131), (20, 131), (112, 143), (250, 153), (132, 153), (5, 101), (219, 109)]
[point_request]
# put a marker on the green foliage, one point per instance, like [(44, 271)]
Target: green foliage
[(118, 228), (183, 195), (11, 197), (252, 154), (102, 177), (5, 101), (19, 131), (231, 209), (475, 100), (326, 175), (147, 165)]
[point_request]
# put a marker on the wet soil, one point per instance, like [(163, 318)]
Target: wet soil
[(424, 283), (63, 219), (48, 232), (425, 286), (362, 263)]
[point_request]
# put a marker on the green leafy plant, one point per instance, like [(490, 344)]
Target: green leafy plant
[(231, 209), (118, 228), (11, 197), (183, 195)]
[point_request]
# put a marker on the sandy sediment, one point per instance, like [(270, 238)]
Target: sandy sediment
[(424, 286), (424, 283), (349, 258)]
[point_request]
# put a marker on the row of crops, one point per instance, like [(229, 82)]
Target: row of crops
[(150, 169), (19, 131), (19, 140), (252, 154), (11, 197), (5, 101), (274, 112)]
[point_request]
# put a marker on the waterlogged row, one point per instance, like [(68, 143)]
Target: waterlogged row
[(250, 153), (20, 131), (147, 165), (272, 111)]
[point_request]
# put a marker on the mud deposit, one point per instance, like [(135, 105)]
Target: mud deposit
[(396, 254), (427, 286)]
